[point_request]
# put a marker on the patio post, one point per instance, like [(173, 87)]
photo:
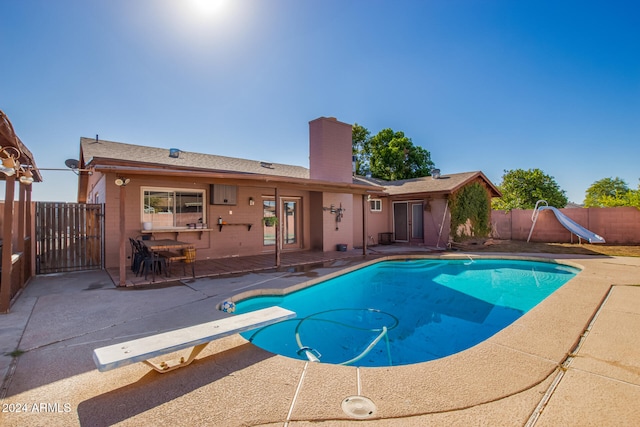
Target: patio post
[(123, 272), (7, 245), (364, 224), (29, 231), (278, 225)]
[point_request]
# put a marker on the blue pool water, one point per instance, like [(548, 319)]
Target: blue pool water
[(405, 311)]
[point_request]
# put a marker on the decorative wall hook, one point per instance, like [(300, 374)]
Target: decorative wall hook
[(338, 212)]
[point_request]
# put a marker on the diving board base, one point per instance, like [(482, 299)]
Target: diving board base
[(196, 337), (170, 365)]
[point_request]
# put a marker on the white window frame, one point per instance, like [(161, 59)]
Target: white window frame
[(375, 205), (163, 221)]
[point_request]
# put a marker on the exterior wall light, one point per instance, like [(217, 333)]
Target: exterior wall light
[(122, 181), (10, 165), (251, 201), (26, 176)]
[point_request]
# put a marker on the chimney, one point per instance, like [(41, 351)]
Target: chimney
[(330, 150)]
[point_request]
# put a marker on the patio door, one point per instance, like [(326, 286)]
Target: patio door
[(408, 222), (290, 223), (417, 223), (290, 227), (400, 221)]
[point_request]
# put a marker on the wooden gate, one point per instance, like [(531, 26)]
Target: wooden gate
[(69, 237)]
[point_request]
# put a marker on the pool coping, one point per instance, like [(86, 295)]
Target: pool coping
[(504, 380), (510, 347)]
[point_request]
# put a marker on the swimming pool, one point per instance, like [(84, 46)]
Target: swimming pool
[(401, 312)]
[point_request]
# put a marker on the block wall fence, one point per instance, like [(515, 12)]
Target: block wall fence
[(617, 225)]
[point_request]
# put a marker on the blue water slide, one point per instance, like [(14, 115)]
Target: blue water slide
[(573, 226)]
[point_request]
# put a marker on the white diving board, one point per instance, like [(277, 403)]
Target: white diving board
[(197, 336)]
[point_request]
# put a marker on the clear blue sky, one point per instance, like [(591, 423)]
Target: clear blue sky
[(483, 85)]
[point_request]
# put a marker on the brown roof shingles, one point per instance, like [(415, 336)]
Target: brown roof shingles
[(116, 151), (94, 151), (446, 184)]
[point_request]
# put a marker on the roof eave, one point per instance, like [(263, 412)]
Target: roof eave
[(214, 174)]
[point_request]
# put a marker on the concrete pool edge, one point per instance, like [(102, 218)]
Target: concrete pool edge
[(493, 363), (522, 359), (235, 383)]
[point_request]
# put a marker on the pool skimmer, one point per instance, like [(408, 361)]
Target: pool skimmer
[(359, 407)]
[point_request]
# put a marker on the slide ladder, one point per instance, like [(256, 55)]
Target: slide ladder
[(534, 217)]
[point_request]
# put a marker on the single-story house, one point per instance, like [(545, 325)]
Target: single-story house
[(416, 210), (220, 203)]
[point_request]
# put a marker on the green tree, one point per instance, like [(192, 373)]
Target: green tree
[(608, 192), (392, 156), (521, 189), (359, 137), (634, 198)]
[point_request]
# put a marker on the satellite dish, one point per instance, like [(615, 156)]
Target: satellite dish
[(72, 163)]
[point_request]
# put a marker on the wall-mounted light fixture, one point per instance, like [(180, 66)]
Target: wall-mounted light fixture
[(10, 157), (122, 181), (26, 176), (251, 201), (10, 165)]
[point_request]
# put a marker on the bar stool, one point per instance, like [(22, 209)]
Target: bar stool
[(190, 258)]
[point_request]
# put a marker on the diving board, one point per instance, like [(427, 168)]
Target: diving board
[(197, 337)]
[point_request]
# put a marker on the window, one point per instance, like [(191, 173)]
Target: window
[(375, 205), (173, 208)]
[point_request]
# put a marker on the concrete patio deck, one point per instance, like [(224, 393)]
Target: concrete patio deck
[(572, 360)]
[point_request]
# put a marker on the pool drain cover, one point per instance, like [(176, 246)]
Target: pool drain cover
[(358, 407)]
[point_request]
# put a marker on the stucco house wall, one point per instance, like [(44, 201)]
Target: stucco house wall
[(233, 240), (437, 222), (377, 222), (337, 231)]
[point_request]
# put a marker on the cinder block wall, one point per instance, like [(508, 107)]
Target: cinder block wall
[(617, 225)]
